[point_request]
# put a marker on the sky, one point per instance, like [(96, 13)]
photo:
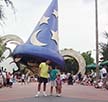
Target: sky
[(76, 21)]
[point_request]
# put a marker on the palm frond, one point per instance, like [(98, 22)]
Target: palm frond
[(9, 3), (2, 14)]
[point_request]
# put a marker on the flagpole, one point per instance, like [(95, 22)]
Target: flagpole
[(97, 47)]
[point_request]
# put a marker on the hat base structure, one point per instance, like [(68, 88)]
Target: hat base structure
[(37, 55)]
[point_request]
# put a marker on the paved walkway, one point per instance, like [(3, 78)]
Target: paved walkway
[(75, 93)]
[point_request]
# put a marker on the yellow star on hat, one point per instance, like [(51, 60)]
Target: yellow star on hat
[(55, 36), (55, 13), (44, 20)]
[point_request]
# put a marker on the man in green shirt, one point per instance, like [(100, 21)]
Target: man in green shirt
[(43, 76)]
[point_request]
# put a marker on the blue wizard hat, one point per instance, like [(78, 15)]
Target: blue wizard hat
[(43, 42)]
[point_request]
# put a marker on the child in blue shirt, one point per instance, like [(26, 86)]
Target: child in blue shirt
[(53, 75)]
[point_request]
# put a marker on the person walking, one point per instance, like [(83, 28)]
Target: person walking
[(43, 77), (23, 79)]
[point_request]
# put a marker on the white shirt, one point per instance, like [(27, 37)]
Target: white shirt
[(103, 70), (23, 76)]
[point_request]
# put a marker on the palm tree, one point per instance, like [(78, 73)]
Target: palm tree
[(104, 48), (87, 57), (8, 3), (2, 49)]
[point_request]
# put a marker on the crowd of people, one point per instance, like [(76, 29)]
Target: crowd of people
[(6, 78), (91, 78), (53, 75), (57, 78)]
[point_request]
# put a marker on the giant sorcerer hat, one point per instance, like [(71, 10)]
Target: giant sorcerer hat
[(43, 42)]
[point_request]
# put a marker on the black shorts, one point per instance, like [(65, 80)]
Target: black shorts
[(104, 74), (42, 80), (23, 80)]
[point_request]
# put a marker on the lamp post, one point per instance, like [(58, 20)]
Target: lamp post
[(97, 49)]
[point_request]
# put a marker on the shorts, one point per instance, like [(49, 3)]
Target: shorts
[(42, 80), (104, 74), (53, 83), (23, 80)]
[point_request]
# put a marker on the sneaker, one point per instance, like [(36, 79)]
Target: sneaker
[(59, 95), (44, 93), (38, 93)]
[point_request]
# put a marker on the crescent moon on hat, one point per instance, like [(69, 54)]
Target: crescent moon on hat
[(36, 42)]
